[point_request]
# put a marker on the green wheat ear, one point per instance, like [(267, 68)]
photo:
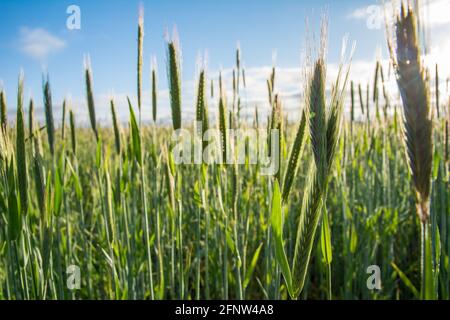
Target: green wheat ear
[(361, 99), (202, 106), (116, 127), (140, 55), (223, 121), (38, 170), (154, 89), (174, 77), (50, 123), (294, 157), (3, 110), (90, 96), (21, 158), (375, 82), (73, 132), (31, 118), (317, 111)]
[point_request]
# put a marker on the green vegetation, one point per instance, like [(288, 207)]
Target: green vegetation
[(114, 202)]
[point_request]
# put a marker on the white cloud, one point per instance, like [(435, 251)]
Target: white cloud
[(359, 13), (38, 43)]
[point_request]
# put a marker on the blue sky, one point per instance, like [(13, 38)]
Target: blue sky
[(34, 37)]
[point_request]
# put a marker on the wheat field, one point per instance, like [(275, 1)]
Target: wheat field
[(359, 207)]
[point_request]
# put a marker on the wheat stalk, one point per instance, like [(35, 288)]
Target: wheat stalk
[(325, 131)]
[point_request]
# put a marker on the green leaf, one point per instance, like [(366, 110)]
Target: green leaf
[(296, 154), (135, 135), (353, 239), (48, 200), (277, 228), (75, 180), (14, 216), (438, 252), (196, 195), (436, 161), (230, 242), (406, 280), (58, 193), (171, 162), (251, 268)]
